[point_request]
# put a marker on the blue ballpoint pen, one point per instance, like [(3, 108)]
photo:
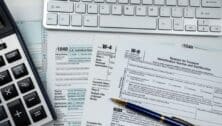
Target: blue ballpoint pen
[(173, 121)]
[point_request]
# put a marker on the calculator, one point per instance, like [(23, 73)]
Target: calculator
[(23, 100)]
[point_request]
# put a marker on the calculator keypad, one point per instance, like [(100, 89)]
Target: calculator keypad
[(21, 103)]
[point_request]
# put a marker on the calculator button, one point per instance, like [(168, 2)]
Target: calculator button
[(19, 71), (13, 56), (6, 123), (9, 92), (25, 85), (2, 113), (3, 46), (2, 62), (31, 99), (38, 114), (18, 113), (5, 77)]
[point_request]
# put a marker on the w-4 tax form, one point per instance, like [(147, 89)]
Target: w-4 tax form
[(173, 79)]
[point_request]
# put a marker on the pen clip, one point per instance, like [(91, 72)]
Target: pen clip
[(182, 121)]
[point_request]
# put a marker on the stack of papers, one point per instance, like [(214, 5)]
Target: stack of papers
[(173, 75)]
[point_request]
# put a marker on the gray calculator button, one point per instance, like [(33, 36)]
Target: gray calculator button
[(5, 77), (2, 113), (2, 62), (25, 85), (13, 56), (6, 123), (32, 99), (3, 46), (9, 92), (18, 113), (19, 71), (38, 114)]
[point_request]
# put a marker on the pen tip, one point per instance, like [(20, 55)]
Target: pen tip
[(118, 101)]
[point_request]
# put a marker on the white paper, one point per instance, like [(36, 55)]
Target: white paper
[(69, 59), (164, 77)]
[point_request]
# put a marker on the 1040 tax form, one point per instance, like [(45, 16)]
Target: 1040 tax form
[(175, 80)]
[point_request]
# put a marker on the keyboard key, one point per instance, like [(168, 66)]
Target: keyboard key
[(76, 20), (159, 2), (189, 12), (52, 19), (2, 62), (19, 71), (183, 2), (117, 9), (177, 12), (132, 22), (165, 11), (178, 24), (6, 123), (3, 46), (104, 9), (9, 92), (90, 20), (211, 3), (25, 85), (128, 10), (213, 13), (111, 1), (5, 77), (123, 1), (190, 28), (92, 9), (195, 3), (153, 11), (203, 22), (141, 10), (13, 56), (38, 114), (147, 2), (3, 114), (31, 99), (18, 113), (80, 8), (87, 0), (135, 1), (165, 24), (215, 28), (203, 28), (99, 1), (64, 19), (171, 2), (57, 6)]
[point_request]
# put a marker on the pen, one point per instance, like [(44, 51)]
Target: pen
[(173, 121)]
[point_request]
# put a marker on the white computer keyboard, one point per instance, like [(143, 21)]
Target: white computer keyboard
[(186, 17)]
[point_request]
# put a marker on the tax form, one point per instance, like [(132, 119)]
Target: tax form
[(68, 64), (173, 79)]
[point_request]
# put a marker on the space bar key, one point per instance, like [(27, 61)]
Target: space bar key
[(130, 22)]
